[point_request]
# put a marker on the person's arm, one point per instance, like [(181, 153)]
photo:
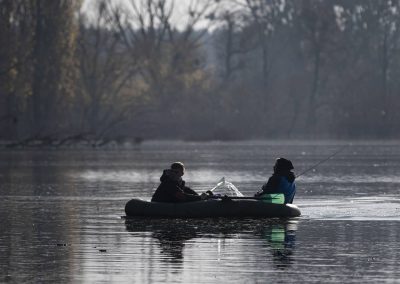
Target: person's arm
[(270, 187), (188, 190), (184, 197), (292, 193)]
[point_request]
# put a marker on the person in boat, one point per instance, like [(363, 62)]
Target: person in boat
[(173, 188), (281, 181)]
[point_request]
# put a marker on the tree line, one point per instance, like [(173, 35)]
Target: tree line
[(244, 69)]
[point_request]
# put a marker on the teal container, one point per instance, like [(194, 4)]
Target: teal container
[(275, 198)]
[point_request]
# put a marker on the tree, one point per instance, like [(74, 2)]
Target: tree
[(167, 57), (105, 72), (16, 21), (53, 63), (317, 23)]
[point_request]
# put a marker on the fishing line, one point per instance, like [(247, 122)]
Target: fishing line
[(323, 161)]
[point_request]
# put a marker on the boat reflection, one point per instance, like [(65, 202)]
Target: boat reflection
[(173, 234), (172, 241)]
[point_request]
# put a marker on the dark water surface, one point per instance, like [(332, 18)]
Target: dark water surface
[(60, 216)]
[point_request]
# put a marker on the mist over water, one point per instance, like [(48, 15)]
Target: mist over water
[(60, 215)]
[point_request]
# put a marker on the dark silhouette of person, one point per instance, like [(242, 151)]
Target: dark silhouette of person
[(171, 234), (281, 181), (173, 188), (172, 242)]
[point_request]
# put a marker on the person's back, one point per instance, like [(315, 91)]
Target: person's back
[(282, 181), (172, 187)]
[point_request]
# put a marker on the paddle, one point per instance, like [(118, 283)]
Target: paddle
[(276, 198), (238, 197), (280, 199), (228, 184)]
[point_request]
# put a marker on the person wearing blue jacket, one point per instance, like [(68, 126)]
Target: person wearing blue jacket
[(281, 181)]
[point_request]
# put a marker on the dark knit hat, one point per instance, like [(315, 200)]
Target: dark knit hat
[(282, 164)]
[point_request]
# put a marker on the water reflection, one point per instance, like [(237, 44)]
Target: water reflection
[(31, 221), (282, 238), (348, 232), (279, 235)]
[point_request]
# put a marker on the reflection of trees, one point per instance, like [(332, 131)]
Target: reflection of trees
[(172, 234), (32, 223)]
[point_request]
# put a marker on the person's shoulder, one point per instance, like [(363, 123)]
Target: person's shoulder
[(166, 175), (272, 183), (274, 178)]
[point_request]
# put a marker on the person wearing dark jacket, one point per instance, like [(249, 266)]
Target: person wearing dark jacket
[(281, 181), (172, 187)]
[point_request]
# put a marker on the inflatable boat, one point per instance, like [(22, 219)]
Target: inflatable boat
[(210, 208)]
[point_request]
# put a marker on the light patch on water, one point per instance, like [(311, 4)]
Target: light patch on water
[(118, 176), (361, 208), (213, 176), (361, 178), (142, 176)]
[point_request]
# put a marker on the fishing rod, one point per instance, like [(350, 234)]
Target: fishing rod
[(223, 181), (323, 161)]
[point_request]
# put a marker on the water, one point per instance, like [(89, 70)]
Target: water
[(60, 216)]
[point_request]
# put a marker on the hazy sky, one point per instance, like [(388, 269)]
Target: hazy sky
[(179, 17)]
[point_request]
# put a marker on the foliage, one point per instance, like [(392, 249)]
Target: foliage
[(225, 70)]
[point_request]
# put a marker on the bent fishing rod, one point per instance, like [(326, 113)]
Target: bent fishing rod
[(323, 161), (302, 173)]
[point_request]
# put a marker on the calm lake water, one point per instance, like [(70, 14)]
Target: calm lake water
[(61, 216)]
